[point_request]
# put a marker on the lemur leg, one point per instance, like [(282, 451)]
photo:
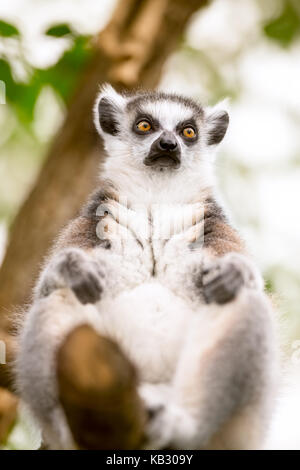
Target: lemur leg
[(45, 327), (220, 394), (78, 384)]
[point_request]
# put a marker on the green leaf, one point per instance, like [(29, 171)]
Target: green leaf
[(7, 77), (22, 96), (8, 30), (59, 30), (63, 76), (285, 27), (269, 285)]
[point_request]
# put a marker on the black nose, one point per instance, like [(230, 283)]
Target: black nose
[(168, 142)]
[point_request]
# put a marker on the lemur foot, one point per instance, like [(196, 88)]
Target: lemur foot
[(168, 426), (74, 269), (222, 279), (171, 427)]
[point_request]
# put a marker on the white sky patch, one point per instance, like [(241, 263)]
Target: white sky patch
[(284, 433), (260, 133), (273, 75), (278, 241), (224, 25)]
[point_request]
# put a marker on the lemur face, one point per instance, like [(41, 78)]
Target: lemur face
[(157, 131)]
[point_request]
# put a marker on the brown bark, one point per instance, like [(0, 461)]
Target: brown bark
[(129, 53)]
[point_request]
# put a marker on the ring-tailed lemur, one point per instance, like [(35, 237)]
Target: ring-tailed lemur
[(153, 263)]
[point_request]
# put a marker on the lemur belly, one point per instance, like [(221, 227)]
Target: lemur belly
[(149, 323), (150, 315)]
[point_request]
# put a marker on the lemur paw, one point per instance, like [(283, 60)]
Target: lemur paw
[(223, 279), (73, 268), (169, 426), (82, 276)]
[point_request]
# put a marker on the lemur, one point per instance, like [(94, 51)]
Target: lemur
[(153, 263)]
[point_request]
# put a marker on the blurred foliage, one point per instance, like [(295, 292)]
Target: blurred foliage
[(8, 30), (22, 148), (59, 30), (62, 76), (286, 26)]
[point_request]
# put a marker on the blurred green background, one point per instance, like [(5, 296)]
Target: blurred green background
[(247, 51)]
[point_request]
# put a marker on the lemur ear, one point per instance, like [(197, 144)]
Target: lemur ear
[(217, 121), (108, 109)]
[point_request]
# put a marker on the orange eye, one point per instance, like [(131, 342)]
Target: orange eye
[(144, 126), (189, 132)]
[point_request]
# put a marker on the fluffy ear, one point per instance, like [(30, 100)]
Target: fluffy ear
[(108, 109), (217, 121)]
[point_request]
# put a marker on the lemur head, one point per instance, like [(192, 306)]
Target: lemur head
[(157, 131)]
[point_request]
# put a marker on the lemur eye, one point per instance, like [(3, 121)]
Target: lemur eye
[(189, 132), (144, 126)]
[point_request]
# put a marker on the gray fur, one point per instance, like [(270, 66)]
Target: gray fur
[(136, 101), (73, 269), (222, 280), (236, 376), (108, 117), (218, 124)]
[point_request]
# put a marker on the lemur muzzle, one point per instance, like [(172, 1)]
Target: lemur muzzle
[(164, 152)]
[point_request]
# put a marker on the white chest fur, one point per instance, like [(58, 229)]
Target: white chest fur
[(151, 235), (150, 229), (150, 248)]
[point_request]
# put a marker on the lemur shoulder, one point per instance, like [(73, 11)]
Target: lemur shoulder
[(153, 263)]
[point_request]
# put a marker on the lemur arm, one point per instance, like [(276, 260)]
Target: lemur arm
[(227, 267), (73, 263)]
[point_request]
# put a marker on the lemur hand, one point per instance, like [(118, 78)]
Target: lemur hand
[(73, 268), (222, 279)]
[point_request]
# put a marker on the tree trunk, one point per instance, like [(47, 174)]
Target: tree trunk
[(130, 52)]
